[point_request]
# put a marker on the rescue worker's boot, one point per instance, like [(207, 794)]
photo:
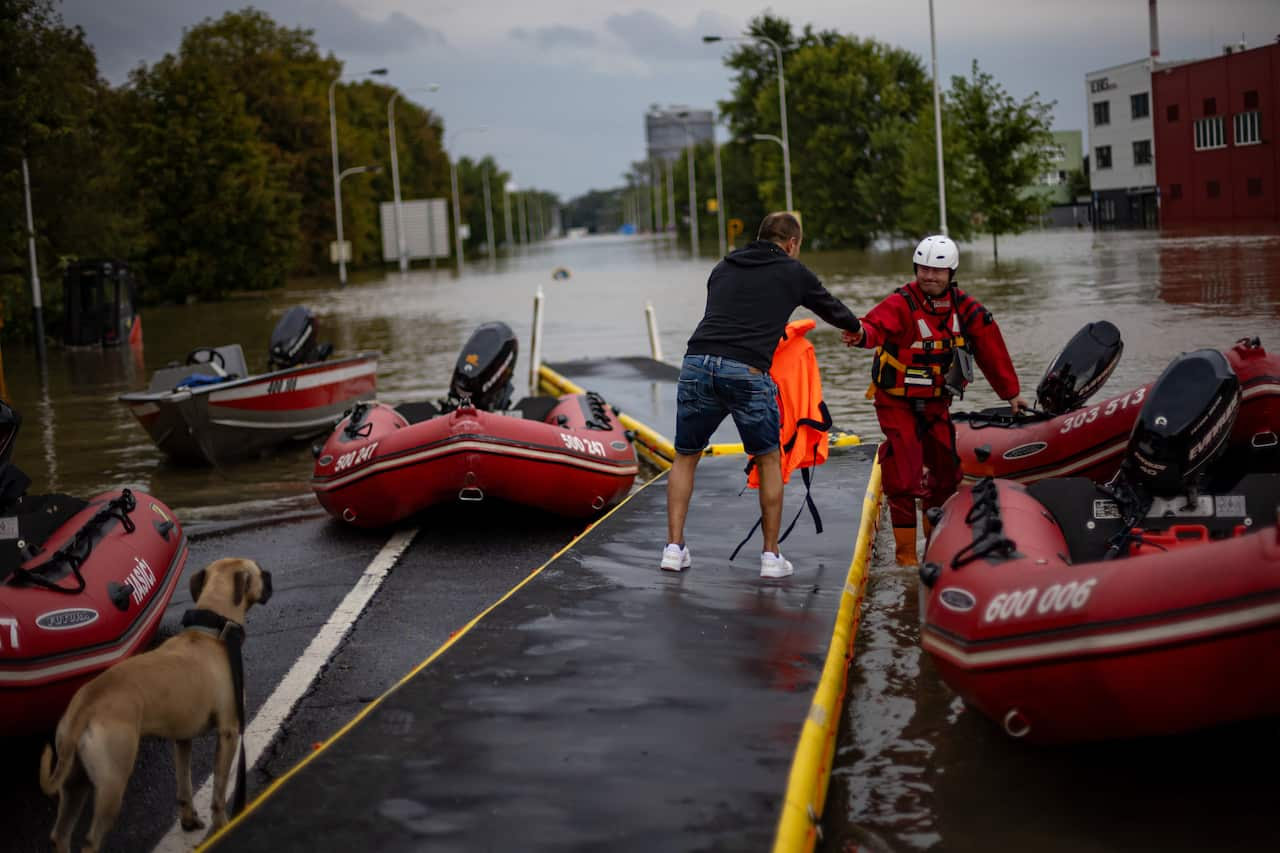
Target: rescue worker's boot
[(904, 552)]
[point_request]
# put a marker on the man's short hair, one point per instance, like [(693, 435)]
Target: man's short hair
[(779, 227)]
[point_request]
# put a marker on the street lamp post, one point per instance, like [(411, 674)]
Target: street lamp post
[(937, 125), (488, 215), (506, 214), (453, 180), (346, 173), (337, 179), (719, 199), (401, 251), (37, 312), (782, 104), (693, 202)]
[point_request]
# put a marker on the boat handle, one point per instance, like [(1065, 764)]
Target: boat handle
[(1264, 439), (470, 493)]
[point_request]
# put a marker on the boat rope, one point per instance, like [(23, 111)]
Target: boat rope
[(599, 409), (984, 519), (357, 426), (78, 548)]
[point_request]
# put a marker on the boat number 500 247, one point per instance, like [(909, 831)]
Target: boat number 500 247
[(1057, 598), (355, 457), (582, 445)]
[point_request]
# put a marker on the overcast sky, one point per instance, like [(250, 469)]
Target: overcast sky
[(563, 85)]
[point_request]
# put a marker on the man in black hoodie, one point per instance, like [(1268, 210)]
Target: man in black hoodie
[(750, 297)]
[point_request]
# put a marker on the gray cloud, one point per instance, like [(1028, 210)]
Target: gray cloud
[(652, 36), (122, 40), (556, 36)]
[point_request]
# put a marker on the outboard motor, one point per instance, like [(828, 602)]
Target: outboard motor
[(1082, 367), (293, 341), (1184, 424), (13, 482), (485, 367)]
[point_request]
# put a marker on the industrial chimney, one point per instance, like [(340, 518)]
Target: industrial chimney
[(1155, 29)]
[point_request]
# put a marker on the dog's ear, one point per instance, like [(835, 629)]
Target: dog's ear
[(197, 585), (242, 584), (266, 586)]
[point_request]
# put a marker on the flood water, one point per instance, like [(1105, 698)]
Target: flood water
[(914, 770)]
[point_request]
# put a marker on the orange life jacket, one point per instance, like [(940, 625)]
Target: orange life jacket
[(920, 369), (806, 423)]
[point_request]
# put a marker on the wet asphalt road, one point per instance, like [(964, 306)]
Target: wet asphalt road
[(463, 559)]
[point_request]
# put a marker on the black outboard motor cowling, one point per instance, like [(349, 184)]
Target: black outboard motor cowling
[(293, 341), (485, 367), (1082, 367), (1184, 423)]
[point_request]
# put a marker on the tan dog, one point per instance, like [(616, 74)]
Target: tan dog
[(178, 691)]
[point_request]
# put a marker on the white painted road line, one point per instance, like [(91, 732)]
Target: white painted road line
[(273, 713)]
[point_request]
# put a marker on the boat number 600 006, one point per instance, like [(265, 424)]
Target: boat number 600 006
[(582, 445), (355, 457), (1055, 599)]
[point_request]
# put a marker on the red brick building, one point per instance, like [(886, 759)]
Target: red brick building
[(1217, 153)]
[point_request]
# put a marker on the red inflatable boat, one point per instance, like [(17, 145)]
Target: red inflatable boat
[(92, 594), (1070, 611), (568, 455), (1089, 441), (379, 467)]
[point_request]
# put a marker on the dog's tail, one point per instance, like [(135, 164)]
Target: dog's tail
[(53, 778)]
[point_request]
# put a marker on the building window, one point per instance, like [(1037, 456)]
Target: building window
[(1208, 133), (1212, 190), (1140, 105), (1248, 128), (1107, 209), (1254, 187), (1142, 152), (1172, 112), (1175, 191), (1102, 156), (1251, 99), (1101, 113), (1210, 106)]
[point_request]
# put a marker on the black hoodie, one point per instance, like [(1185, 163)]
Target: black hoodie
[(750, 297)]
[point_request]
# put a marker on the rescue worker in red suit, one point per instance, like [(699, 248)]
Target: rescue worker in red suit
[(917, 332)]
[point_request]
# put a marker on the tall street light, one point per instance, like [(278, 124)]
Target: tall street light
[(937, 125), (507, 189), (693, 202), (401, 252), (346, 173), (337, 180), (782, 103), (720, 232), (488, 215), (37, 312), (453, 179)]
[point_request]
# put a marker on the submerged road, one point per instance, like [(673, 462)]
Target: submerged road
[(461, 559)]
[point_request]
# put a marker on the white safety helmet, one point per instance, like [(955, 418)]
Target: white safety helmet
[(937, 251)]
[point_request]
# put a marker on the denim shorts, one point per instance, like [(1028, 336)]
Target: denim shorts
[(712, 387)]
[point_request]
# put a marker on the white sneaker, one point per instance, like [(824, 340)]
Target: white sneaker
[(775, 566), (675, 558)]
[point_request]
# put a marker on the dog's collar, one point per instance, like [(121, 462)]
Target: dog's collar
[(211, 623)]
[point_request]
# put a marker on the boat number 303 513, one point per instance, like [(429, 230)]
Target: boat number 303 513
[(355, 457), (1106, 409), (583, 445), (1056, 598)]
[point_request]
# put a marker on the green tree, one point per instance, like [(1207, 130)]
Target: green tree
[(918, 214), (1007, 144), (471, 200), (57, 113), (218, 209), (852, 103)]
